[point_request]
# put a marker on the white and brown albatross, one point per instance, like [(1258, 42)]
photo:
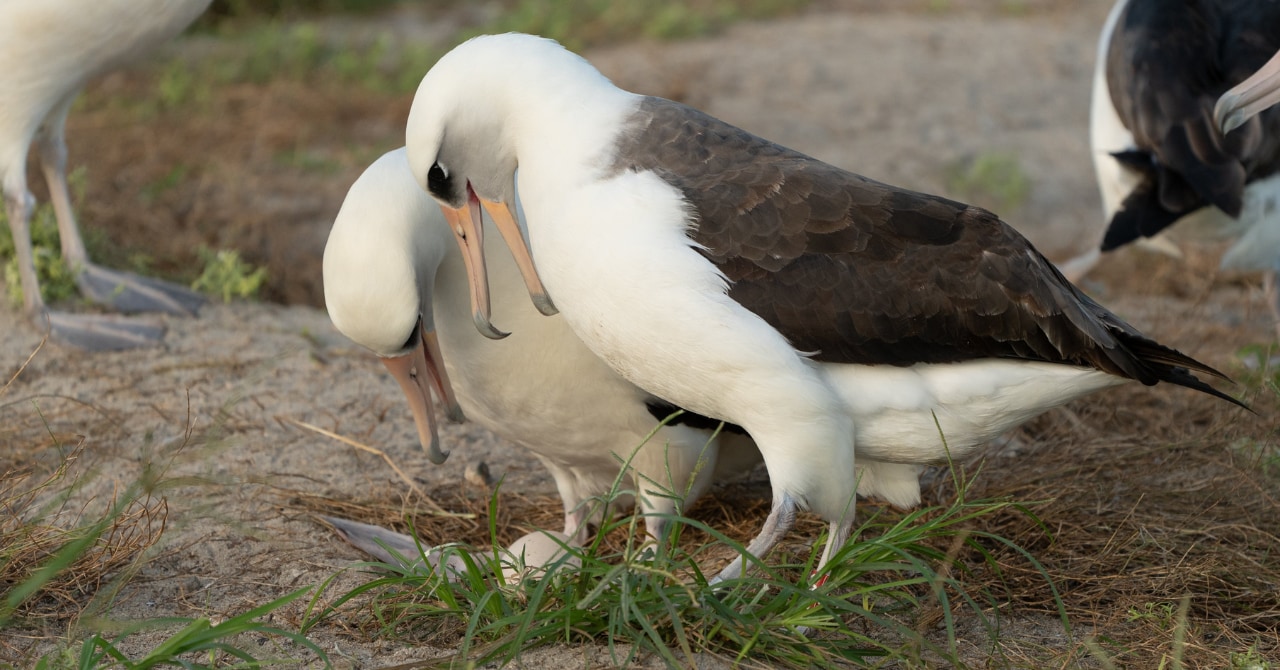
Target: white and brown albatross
[(1160, 156), (48, 50), (818, 309)]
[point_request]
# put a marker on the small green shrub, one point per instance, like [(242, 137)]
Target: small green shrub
[(227, 276), (993, 180)]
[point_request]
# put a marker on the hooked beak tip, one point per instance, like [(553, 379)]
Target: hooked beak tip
[(1232, 121), (455, 415), (486, 328), (1225, 113), (435, 454)]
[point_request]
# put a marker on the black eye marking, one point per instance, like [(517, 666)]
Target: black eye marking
[(438, 180)]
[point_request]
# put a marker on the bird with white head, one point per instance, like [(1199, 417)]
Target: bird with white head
[(819, 310)]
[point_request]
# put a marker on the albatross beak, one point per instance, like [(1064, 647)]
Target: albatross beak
[(468, 230), (418, 372), (1258, 92), (505, 219)]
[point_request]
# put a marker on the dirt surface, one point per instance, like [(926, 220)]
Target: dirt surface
[(900, 96)]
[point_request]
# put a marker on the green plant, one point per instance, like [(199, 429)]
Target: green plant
[(646, 599), (994, 180), (1260, 369), (196, 638), (57, 281), (179, 84), (1161, 614), (56, 278), (1250, 660), (227, 276)]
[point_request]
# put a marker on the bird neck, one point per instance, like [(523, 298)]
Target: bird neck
[(566, 125)]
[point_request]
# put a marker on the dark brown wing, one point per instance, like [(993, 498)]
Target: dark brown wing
[(1167, 63), (863, 272)]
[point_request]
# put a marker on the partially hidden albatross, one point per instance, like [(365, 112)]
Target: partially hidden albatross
[(48, 50), (1162, 159), (395, 283), (819, 310)]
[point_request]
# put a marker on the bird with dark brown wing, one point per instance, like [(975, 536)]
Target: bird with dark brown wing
[(826, 314)]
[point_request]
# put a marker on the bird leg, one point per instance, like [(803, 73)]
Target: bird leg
[(837, 534), (18, 206), (576, 524), (93, 332), (121, 291), (781, 518)]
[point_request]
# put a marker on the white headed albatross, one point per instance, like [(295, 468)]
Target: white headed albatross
[(817, 309), (1160, 156), (48, 50), (396, 284)]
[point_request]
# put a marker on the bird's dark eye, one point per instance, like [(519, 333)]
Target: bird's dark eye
[(438, 180)]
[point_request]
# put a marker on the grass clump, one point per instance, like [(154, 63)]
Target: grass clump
[(227, 276), (57, 281), (55, 555), (1250, 659), (635, 599), (271, 51), (198, 640)]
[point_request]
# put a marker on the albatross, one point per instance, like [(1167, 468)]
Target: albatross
[(1160, 155), (819, 310), (48, 50)]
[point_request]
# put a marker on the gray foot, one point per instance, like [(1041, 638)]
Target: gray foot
[(130, 293), (102, 332)]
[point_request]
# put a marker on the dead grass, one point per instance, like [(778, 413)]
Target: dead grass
[(68, 542), (61, 552), (37, 524)]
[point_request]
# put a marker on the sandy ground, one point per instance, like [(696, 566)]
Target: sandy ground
[(898, 96)]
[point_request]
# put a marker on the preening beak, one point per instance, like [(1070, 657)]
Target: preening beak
[(468, 230), (505, 219), (1260, 91), (418, 372)]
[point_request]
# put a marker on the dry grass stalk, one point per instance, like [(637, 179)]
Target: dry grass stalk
[(36, 523)]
